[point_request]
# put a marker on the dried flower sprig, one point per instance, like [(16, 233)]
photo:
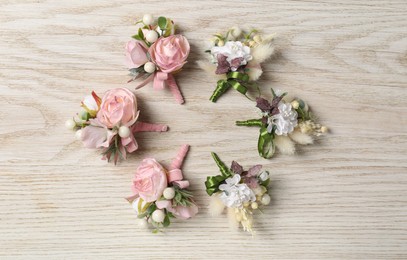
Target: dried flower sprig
[(110, 123), (156, 53), (283, 123), (241, 192), (160, 194), (236, 57)]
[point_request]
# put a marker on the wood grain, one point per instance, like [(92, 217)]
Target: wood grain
[(344, 198)]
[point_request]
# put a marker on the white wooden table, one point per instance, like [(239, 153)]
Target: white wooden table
[(343, 198)]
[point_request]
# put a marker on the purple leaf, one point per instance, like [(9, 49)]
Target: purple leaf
[(263, 104), (236, 168), (253, 171), (223, 65), (235, 64)]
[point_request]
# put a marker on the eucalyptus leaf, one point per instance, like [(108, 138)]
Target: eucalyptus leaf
[(136, 37), (166, 221), (151, 209), (140, 34), (162, 22)]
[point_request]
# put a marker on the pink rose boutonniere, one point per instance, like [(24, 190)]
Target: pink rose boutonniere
[(160, 194), (156, 53), (110, 123)]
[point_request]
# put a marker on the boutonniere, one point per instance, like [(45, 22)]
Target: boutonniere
[(236, 59), (110, 123), (241, 192), (160, 194), (283, 123), (156, 54)]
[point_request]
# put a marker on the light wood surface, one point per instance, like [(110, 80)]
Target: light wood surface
[(343, 198)]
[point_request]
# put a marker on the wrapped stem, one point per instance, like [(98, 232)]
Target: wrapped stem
[(222, 167), (251, 122), (235, 80), (179, 159), (172, 85), (221, 87), (149, 127)]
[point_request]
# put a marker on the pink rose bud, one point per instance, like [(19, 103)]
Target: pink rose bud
[(136, 54), (119, 107), (150, 180), (170, 53)]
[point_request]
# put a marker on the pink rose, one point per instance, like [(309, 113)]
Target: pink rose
[(170, 53), (136, 54), (150, 180), (119, 107)]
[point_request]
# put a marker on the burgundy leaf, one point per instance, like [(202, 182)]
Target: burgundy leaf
[(223, 65), (235, 64), (263, 104), (236, 168), (253, 171)]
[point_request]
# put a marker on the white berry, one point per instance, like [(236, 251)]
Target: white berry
[(70, 124), (148, 19), (295, 104), (257, 38), (151, 36), (149, 67), (236, 32), (158, 216), (169, 193), (254, 205), (124, 131), (265, 200), (142, 223), (78, 134)]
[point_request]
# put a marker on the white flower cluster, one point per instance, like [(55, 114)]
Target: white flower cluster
[(235, 194), (285, 121), (233, 50)]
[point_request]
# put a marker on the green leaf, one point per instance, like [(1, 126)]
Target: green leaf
[(265, 183), (140, 33), (166, 221), (162, 22), (155, 231), (136, 37), (151, 209)]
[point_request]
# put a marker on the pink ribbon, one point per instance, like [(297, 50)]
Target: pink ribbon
[(160, 79), (175, 176)]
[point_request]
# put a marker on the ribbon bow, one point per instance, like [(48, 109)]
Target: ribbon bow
[(175, 177), (265, 145), (212, 182), (235, 80), (160, 79)]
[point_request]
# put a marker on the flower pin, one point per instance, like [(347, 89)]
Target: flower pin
[(236, 58), (241, 192), (160, 194), (283, 124), (156, 53), (110, 123)]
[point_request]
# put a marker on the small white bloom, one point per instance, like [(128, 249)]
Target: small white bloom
[(285, 121), (90, 103), (263, 176), (235, 194), (233, 50)]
